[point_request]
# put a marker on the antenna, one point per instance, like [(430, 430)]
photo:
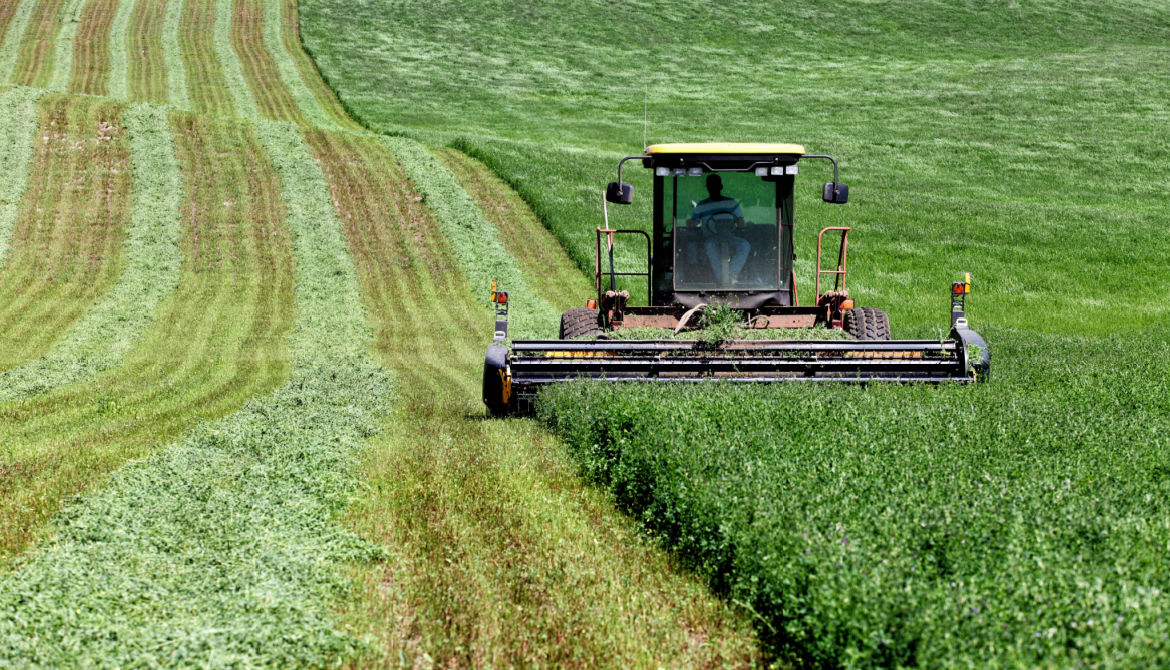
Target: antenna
[(645, 118)]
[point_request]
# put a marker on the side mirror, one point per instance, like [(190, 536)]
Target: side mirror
[(836, 193), (622, 194)]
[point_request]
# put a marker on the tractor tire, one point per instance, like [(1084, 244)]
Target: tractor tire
[(580, 322), (867, 323)]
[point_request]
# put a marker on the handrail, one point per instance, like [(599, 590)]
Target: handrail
[(613, 274), (839, 280)]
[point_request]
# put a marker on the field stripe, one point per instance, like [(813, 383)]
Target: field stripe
[(148, 69), (106, 333), (219, 339), (120, 33), (34, 65), (17, 139), (476, 243), (310, 107), (526, 238), (310, 77), (66, 243), (258, 66), (233, 72), (207, 89), (7, 11), (14, 38), (176, 72), (224, 549), (489, 530), (91, 48)]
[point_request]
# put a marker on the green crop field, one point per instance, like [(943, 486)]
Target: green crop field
[(245, 247), (1019, 523)]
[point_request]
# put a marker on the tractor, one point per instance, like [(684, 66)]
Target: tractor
[(722, 236)]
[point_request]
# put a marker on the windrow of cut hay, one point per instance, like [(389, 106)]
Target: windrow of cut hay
[(67, 242), (491, 539), (224, 549), (526, 239), (218, 340), (101, 338), (34, 65), (91, 48), (1021, 523), (290, 37), (147, 73), (207, 89), (258, 64)]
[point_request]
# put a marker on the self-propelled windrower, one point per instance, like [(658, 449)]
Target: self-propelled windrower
[(722, 234)]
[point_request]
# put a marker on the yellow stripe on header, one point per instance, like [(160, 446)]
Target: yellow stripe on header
[(725, 148)]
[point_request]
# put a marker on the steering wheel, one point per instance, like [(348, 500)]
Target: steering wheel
[(723, 223)]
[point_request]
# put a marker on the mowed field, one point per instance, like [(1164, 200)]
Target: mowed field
[(239, 359), (1019, 523)]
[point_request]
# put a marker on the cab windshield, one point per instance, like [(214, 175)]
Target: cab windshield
[(727, 231)]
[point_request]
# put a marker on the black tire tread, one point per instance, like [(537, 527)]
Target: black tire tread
[(579, 322), (867, 323)]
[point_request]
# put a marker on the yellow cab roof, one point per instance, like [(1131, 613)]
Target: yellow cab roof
[(725, 148)]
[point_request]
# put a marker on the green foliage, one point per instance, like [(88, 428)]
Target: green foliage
[(1020, 523), (100, 339)]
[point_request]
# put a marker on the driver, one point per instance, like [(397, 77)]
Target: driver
[(719, 216)]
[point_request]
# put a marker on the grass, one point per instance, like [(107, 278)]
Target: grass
[(103, 336), (66, 242), (16, 148), (223, 549), (14, 37), (177, 93), (258, 64), (492, 539), (34, 67), (218, 340), (475, 242), (229, 50), (536, 251), (1022, 143), (90, 61), (147, 74), (207, 89), (909, 526), (145, 38)]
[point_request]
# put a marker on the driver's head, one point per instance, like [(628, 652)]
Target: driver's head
[(714, 185)]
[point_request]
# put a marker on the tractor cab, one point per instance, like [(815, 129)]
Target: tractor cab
[(722, 227)]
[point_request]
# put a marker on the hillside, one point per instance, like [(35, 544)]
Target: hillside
[(239, 413), (1016, 522)]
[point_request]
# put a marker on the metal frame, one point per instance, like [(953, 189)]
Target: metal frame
[(613, 274), (839, 273)]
